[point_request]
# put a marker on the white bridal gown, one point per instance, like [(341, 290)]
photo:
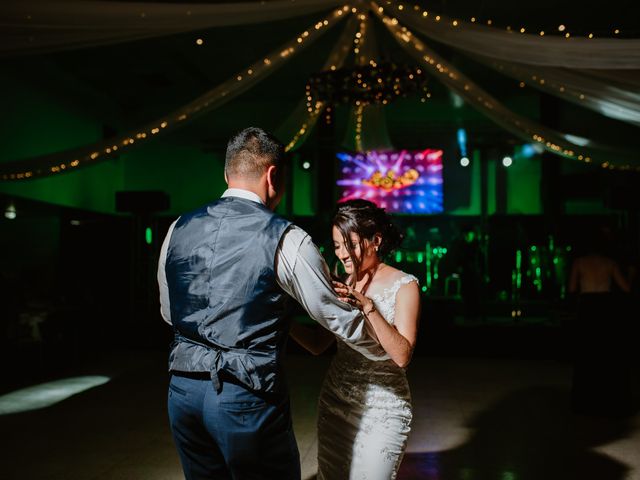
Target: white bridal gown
[(364, 411)]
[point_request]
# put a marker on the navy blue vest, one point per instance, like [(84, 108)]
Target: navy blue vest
[(227, 308)]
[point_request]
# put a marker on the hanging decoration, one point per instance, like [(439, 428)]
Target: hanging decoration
[(305, 115), (367, 84)]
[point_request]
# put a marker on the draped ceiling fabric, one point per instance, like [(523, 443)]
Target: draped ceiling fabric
[(590, 91), (603, 71), (301, 121), (214, 98), (555, 142), (530, 49), (44, 26), (367, 128)]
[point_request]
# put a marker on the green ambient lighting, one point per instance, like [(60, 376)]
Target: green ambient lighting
[(398, 256), (148, 235), (420, 257), (424, 289)]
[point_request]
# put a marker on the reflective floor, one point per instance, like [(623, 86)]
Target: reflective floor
[(474, 419)]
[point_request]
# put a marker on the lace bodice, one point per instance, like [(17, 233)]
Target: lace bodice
[(386, 301)]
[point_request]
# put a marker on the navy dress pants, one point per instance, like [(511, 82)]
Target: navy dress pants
[(232, 433)]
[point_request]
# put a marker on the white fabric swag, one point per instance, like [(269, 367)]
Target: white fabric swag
[(212, 99), (525, 48), (559, 143), (600, 95), (300, 122), (43, 26)]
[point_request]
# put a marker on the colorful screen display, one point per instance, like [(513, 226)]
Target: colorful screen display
[(400, 181)]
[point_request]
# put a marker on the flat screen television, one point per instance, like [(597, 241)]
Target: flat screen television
[(403, 181)]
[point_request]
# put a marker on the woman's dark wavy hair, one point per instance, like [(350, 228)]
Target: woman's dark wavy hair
[(366, 220)]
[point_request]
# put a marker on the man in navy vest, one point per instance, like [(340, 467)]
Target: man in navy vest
[(225, 272)]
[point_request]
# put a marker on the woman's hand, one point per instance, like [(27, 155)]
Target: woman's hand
[(352, 296)]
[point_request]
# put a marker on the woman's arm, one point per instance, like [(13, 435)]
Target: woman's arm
[(315, 340), (399, 339)]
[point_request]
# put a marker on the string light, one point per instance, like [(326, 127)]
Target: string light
[(401, 33), (358, 137), (201, 104), (456, 23)]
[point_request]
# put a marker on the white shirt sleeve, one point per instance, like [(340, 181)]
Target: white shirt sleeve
[(302, 273), (165, 306)]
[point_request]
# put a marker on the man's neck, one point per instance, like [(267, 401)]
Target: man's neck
[(250, 188)]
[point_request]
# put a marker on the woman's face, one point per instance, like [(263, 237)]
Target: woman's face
[(366, 261)]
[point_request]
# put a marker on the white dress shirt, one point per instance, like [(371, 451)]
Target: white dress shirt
[(302, 273)]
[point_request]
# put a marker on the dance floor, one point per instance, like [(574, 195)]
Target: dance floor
[(474, 419)]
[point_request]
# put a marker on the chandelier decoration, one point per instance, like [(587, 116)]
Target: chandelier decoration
[(367, 84)]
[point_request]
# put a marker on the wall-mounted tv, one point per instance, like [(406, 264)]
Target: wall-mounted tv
[(400, 181)]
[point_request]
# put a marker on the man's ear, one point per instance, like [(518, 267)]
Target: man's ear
[(226, 178), (272, 177)]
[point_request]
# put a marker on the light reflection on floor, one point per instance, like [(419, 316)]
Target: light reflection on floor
[(47, 394)]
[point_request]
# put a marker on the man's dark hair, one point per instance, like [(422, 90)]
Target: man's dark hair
[(251, 151)]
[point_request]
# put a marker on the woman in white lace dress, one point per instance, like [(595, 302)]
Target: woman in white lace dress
[(364, 411)]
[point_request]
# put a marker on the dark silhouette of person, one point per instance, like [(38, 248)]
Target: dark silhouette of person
[(601, 378), (470, 272)]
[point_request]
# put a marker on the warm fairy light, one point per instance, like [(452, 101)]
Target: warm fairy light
[(437, 18), (522, 84), (522, 30), (489, 22), (561, 28), (454, 23), (616, 31), (473, 19), (567, 35), (542, 33), (199, 41), (591, 35), (163, 124)]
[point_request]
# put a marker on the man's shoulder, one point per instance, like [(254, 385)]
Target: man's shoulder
[(295, 236)]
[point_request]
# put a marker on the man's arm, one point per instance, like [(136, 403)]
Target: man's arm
[(303, 274), (165, 308)]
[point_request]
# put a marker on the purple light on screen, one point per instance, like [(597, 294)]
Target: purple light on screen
[(413, 176)]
